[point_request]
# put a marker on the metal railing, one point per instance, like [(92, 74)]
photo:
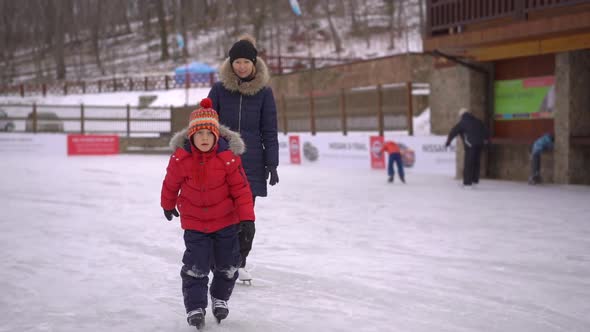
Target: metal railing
[(116, 84), (449, 16)]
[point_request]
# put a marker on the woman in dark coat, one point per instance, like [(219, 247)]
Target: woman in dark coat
[(245, 103)]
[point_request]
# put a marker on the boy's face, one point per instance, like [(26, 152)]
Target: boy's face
[(204, 140)]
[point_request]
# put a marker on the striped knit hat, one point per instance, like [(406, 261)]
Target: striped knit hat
[(204, 118)]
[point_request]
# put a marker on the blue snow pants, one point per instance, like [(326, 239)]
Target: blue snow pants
[(222, 248), (395, 158)]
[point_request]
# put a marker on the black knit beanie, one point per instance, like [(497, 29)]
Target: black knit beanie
[(243, 49)]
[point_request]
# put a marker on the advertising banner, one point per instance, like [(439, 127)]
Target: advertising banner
[(93, 144), (524, 99), (37, 144), (377, 161), (294, 150)]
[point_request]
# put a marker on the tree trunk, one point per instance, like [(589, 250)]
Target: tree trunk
[(353, 18), (422, 14), (95, 36), (184, 10), (335, 37), (163, 31), (59, 41), (390, 5)]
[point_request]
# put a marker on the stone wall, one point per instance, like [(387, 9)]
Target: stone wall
[(572, 117), (452, 88), (512, 162), (386, 70)]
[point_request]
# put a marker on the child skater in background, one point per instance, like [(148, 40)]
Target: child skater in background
[(214, 198), (395, 156)]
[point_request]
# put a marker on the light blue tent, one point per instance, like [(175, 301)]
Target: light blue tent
[(199, 72)]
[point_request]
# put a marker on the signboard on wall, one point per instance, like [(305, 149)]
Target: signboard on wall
[(524, 99), (93, 144), (377, 160), (358, 150), (37, 144), (294, 150)]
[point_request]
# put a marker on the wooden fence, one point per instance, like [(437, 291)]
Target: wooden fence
[(374, 108)]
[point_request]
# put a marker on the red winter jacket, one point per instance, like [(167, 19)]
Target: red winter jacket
[(390, 147), (214, 190)]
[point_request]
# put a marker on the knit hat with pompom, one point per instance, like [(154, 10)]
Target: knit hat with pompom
[(204, 118)]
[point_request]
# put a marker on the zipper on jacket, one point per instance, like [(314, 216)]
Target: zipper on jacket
[(240, 116)]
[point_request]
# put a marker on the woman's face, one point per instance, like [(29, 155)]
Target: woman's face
[(243, 67)]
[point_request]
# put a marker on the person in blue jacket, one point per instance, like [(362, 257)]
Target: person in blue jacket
[(246, 104), (541, 144)]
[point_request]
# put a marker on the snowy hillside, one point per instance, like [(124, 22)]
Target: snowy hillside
[(363, 29)]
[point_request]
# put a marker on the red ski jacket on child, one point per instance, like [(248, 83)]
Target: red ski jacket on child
[(214, 190), (390, 147)]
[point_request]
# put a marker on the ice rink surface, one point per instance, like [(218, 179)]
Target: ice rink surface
[(85, 247)]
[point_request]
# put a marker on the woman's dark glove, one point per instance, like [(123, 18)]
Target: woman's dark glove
[(271, 171), (168, 213)]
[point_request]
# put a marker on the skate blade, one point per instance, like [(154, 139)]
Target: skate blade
[(246, 282)]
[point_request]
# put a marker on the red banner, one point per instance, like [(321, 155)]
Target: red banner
[(294, 149), (93, 144), (377, 161)]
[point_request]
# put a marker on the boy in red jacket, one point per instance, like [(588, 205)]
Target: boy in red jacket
[(214, 197), (394, 157)]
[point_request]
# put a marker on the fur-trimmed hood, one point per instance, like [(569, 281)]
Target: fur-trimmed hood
[(231, 81), (234, 140)]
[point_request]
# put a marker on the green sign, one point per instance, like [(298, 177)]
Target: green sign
[(529, 98)]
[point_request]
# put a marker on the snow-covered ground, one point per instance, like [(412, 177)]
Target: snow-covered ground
[(85, 247)]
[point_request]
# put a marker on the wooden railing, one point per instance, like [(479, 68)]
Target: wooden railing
[(450, 16)]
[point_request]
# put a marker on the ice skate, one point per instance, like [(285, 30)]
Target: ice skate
[(219, 308), (244, 276), (390, 179), (196, 318)]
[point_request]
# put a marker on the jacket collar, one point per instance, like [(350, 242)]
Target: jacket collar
[(228, 140)]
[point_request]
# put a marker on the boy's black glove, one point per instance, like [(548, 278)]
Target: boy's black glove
[(168, 213), (271, 171), (247, 229)]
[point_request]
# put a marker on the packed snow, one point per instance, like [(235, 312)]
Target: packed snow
[(85, 247)]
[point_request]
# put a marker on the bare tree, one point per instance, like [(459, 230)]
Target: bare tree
[(95, 34), (163, 31), (353, 11), (326, 5), (59, 39), (390, 10), (183, 15), (257, 15)]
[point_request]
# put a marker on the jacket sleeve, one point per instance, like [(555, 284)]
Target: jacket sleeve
[(268, 129), (239, 188), (171, 184), (454, 132)]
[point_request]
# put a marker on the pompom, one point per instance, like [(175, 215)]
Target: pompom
[(249, 38), (206, 103)]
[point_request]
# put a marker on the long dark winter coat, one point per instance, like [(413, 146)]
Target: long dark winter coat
[(249, 108), (471, 129), (214, 191)]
